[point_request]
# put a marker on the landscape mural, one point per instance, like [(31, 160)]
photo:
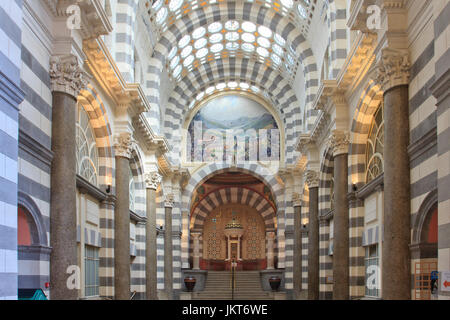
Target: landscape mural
[(233, 128)]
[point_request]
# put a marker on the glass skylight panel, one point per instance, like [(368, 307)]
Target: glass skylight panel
[(184, 41), (174, 5), (186, 51), (232, 46), (161, 15), (249, 27), (231, 25), (279, 39), (264, 42), (232, 36), (248, 47), (201, 53), (188, 61), (217, 48), (198, 33), (248, 37), (265, 32), (216, 38), (200, 43), (175, 61), (263, 52), (215, 27), (276, 59)]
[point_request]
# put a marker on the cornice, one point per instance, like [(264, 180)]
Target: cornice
[(94, 19)]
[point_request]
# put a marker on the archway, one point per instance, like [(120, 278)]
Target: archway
[(233, 217)]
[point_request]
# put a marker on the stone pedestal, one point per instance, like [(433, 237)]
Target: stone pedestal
[(196, 253), (270, 254)]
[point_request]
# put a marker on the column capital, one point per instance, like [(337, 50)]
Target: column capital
[(339, 142), (312, 179), (123, 145), (393, 68), (169, 200), (270, 235), (296, 199), (67, 76), (304, 144), (153, 180), (196, 235)]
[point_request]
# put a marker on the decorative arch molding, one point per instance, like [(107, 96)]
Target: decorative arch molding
[(137, 169), (234, 195), (211, 170), (371, 98), (96, 110), (42, 228), (325, 182), (429, 203), (286, 103), (253, 12)]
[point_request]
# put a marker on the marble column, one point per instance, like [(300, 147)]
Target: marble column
[(123, 148), (67, 79), (312, 180), (297, 244), (196, 253), (270, 236), (152, 181), (340, 143), (168, 254), (393, 75)]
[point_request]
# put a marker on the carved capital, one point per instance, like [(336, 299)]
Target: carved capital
[(304, 144), (312, 179), (339, 142), (296, 199), (393, 69), (153, 180), (123, 145), (169, 200), (66, 75)]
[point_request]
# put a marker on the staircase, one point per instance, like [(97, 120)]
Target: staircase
[(218, 287)]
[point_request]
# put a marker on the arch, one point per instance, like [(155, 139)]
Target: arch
[(208, 171), (325, 182), (423, 216), (41, 228), (369, 102), (215, 12), (99, 121), (278, 89), (236, 195), (137, 169)]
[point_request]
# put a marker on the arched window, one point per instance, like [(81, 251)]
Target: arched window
[(375, 147), (132, 191), (87, 154)]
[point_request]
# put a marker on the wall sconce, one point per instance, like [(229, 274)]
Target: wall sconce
[(108, 189), (355, 188), (161, 227)]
